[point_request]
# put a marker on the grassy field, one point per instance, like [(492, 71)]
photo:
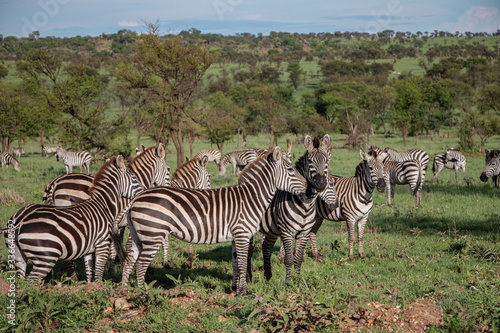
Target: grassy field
[(442, 256)]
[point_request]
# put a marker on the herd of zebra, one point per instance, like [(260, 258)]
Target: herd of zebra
[(83, 216)]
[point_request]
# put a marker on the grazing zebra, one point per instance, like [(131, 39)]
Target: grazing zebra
[(47, 150), (71, 159), (46, 234), (452, 159), (238, 159), (69, 189), (401, 173), (492, 167), (292, 217), (17, 151), (209, 216), (354, 198), (6, 159), (214, 155)]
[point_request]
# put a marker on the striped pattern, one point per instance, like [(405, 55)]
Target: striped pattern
[(6, 159), (292, 217), (68, 189), (452, 159), (47, 150), (492, 166), (76, 158), (46, 234), (355, 201), (17, 151), (238, 159), (411, 154), (191, 174), (209, 216), (213, 155)]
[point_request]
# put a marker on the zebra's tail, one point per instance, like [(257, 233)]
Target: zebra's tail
[(115, 234), (420, 178), (434, 165)]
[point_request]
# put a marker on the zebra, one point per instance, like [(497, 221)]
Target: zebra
[(69, 189), (6, 159), (410, 154), (401, 173), (238, 159), (452, 159), (213, 155), (47, 150), (17, 151), (71, 159), (209, 216), (492, 166), (46, 234), (355, 200), (292, 217)]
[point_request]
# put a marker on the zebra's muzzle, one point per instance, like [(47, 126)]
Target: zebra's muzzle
[(381, 185), (483, 177)]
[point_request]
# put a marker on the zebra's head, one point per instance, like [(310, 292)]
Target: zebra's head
[(129, 185), (329, 194), (203, 180), (151, 167), (313, 165), (287, 178), (193, 174), (224, 161), (16, 164), (375, 172), (492, 167)]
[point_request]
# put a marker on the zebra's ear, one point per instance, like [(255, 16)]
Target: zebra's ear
[(277, 154), (161, 150), (327, 140), (363, 155), (204, 161), (308, 142), (486, 151), (120, 162)]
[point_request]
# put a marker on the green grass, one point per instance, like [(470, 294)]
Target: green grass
[(447, 252)]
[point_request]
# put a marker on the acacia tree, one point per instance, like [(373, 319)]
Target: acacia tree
[(406, 104), (174, 71)]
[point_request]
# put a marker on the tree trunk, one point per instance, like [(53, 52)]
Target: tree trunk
[(404, 131), (179, 147), (42, 139), (139, 134), (239, 132)]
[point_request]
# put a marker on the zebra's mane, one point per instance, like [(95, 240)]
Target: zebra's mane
[(361, 168), (141, 157), (186, 165), (302, 164), (495, 153), (101, 173)]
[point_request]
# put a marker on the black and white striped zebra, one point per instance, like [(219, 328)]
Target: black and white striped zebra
[(47, 150), (292, 217), (410, 154), (6, 159), (209, 216), (492, 166), (17, 151), (452, 159), (409, 172), (74, 158), (150, 167), (46, 234), (238, 159), (355, 200), (213, 155)]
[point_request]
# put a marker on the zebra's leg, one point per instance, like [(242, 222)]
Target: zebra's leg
[(242, 245), (312, 237), (251, 248), (300, 244), (361, 233), (350, 231), (149, 250), (70, 269), (456, 173), (190, 259), (101, 257), (21, 262), (112, 256), (287, 241), (495, 180), (166, 245), (89, 265), (234, 263), (41, 267), (267, 250), (463, 171)]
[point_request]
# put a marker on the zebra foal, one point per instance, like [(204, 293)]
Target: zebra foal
[(355, 200), (74, 158), (46, 234), (492, 166), (6, 159), (292, 216), (209, 216)]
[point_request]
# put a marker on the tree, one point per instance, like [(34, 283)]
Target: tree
[(3, 71), (406, 104), (376, 101), (174, 71), (296, 74)]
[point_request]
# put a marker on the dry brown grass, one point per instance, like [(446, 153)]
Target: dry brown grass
[(10, 197)]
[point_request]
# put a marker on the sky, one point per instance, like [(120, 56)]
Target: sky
[(69, 18)]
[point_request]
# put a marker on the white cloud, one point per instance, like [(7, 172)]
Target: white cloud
[(125, 23), (475, 19)]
